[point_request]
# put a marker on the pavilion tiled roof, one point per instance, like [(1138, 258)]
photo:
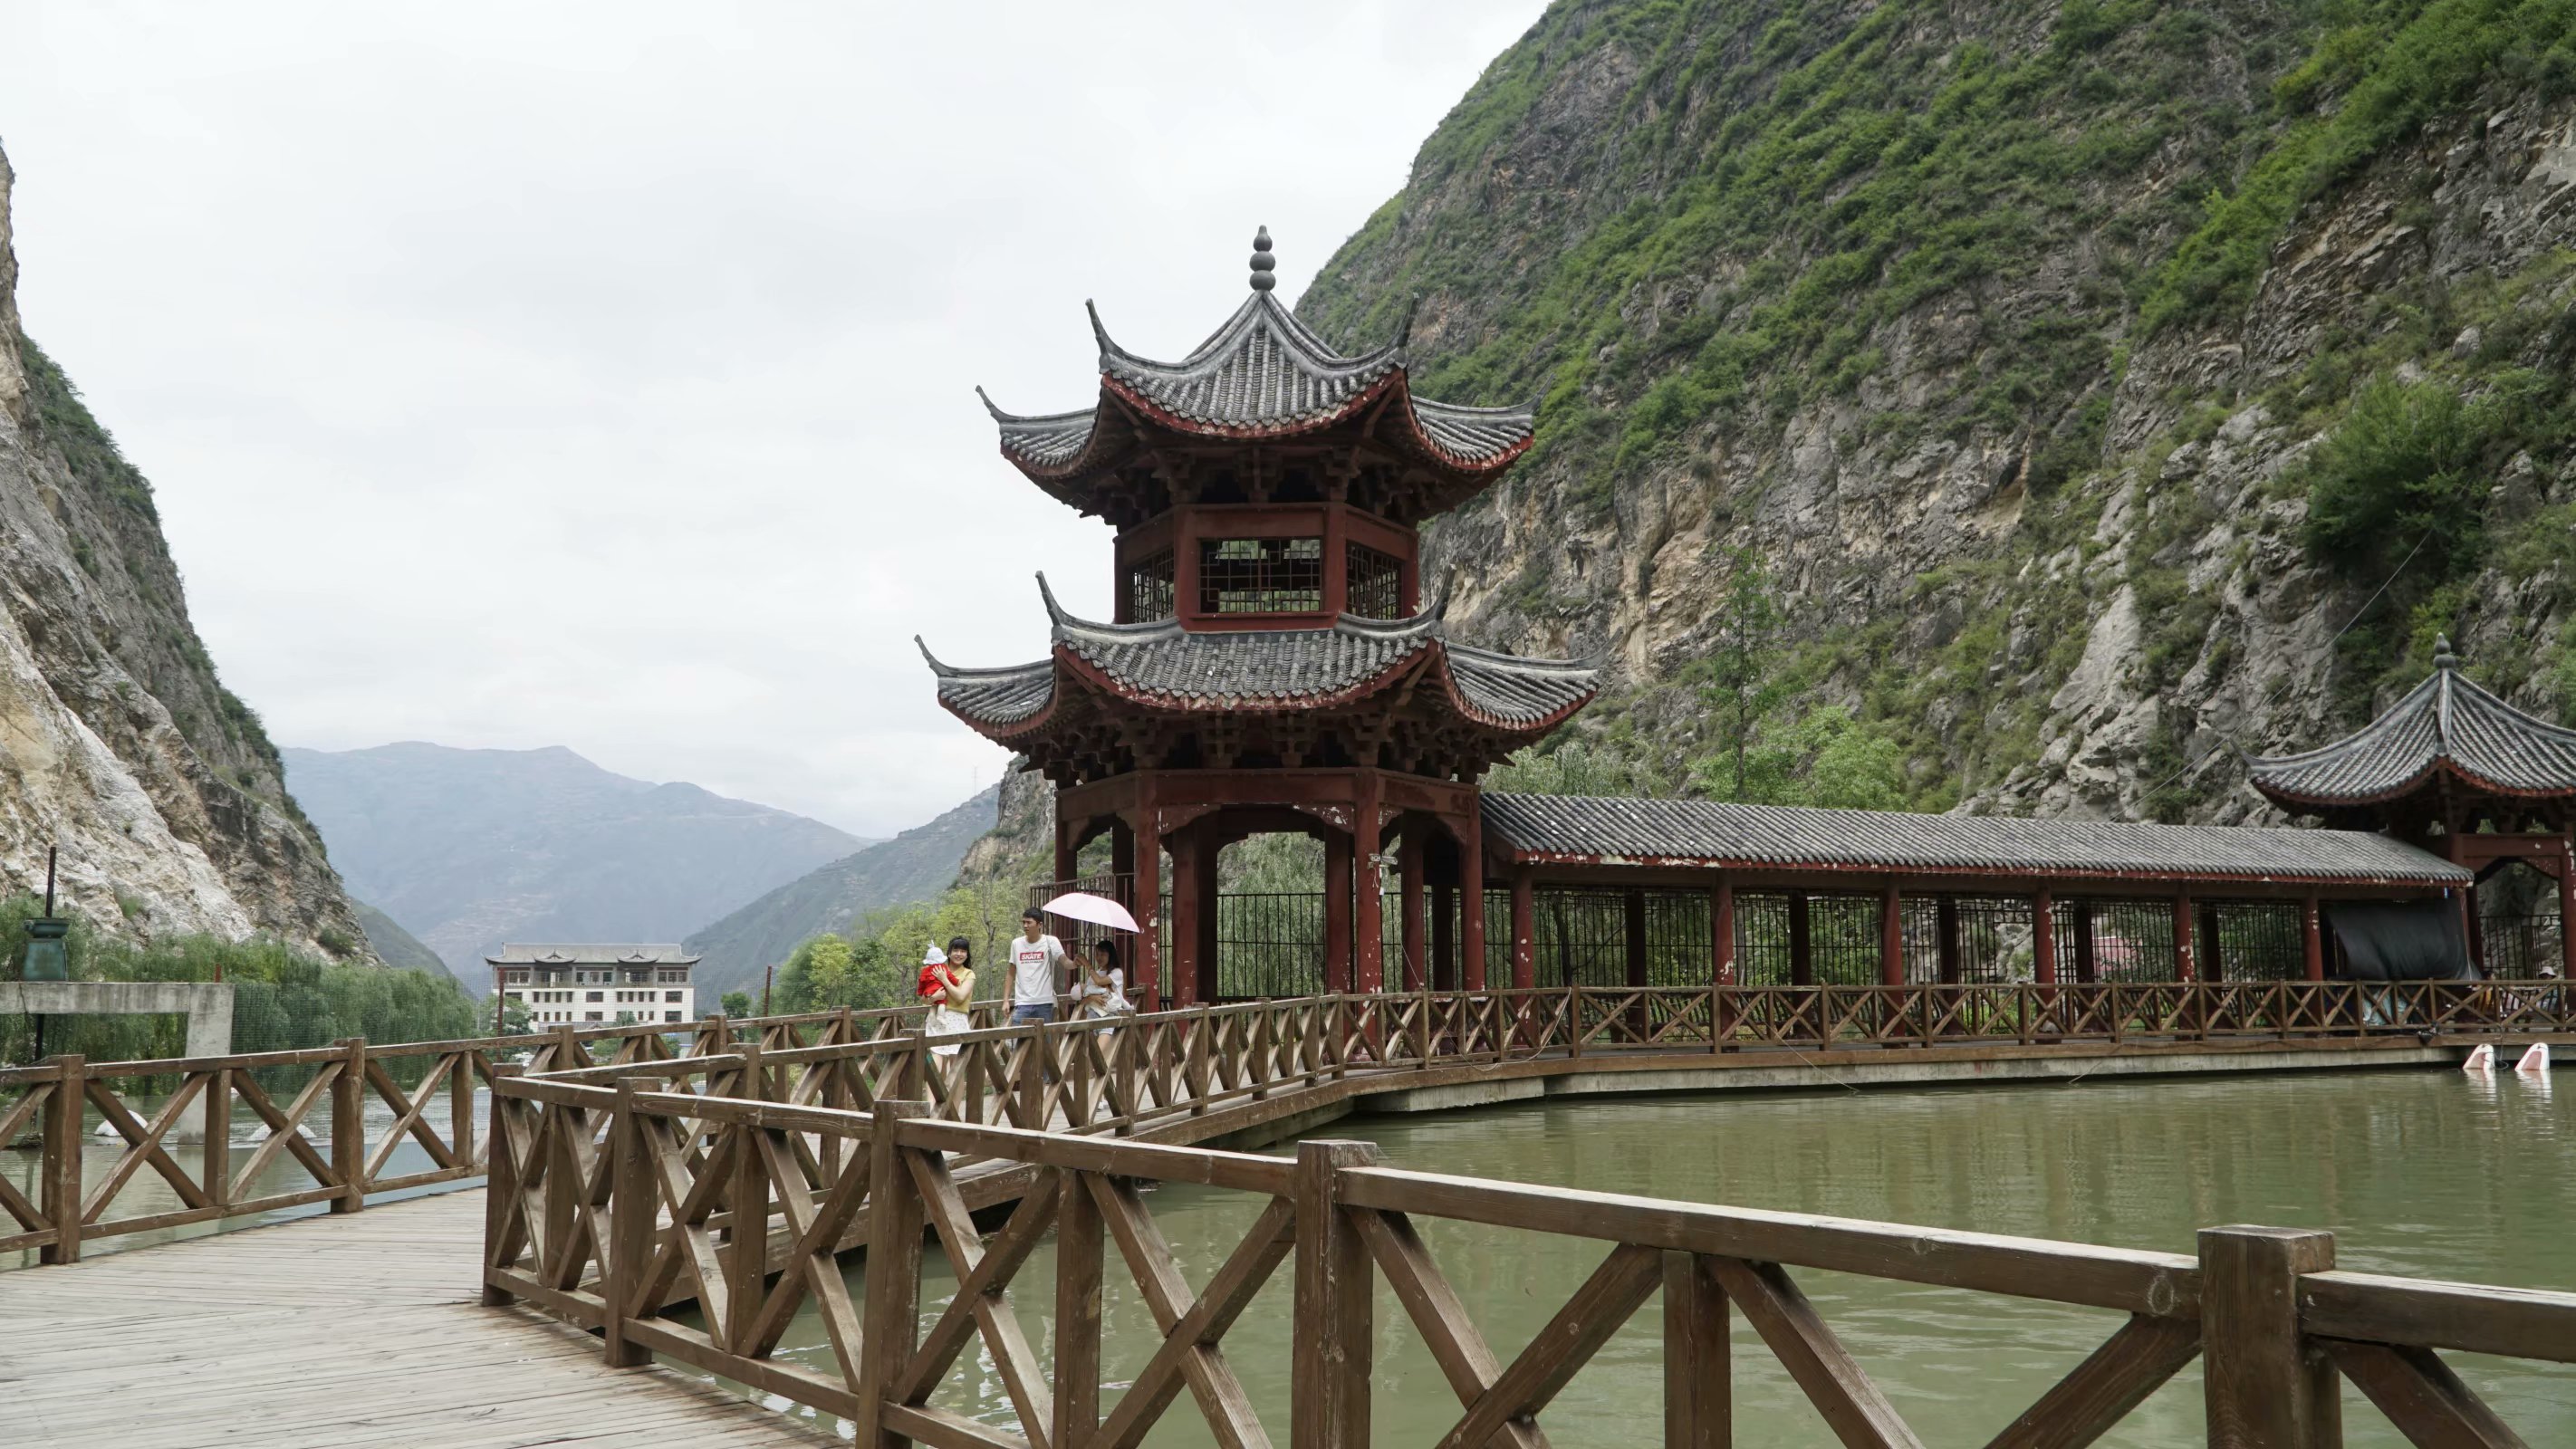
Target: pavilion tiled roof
[(2445, 724), (1585, 829), (1165, 665), (593, 953), (1262, 374)]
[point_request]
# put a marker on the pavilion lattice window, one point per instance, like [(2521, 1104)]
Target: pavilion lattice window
[(1261, 575), (1761, 939), (2257, 941), (2115, 940), (1843, 939), (1149, 588), (1374, 582), (1269, 944), (2518, 925), (1967, 940), (1580, 936)]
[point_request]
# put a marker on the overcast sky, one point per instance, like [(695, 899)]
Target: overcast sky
[(602, 375)]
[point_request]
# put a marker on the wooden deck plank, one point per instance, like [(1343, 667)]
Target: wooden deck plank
[(354, 1332)]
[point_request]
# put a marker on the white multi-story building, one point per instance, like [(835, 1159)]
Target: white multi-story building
[(597, 985)]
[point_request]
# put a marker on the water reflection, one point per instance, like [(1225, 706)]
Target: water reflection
[(2423, 1173)]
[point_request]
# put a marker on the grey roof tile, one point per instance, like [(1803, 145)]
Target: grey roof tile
[(1258, 668), (2447, 722), (1715, 832), (593, 953)]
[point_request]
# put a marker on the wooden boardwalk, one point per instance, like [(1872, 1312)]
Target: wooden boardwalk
[(346, 1331)]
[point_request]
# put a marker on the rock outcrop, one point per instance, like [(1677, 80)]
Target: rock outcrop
[(117, 742)]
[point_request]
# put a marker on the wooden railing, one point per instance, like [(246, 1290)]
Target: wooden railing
[(311, 1110), (613, 1201), (1127, 1076)]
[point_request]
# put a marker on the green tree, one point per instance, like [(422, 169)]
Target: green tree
[(510, 1016), (1744, 686), (1572, 766), (1823, 758), (736, 1004)]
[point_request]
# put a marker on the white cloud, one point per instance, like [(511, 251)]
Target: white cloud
[(601, 374)]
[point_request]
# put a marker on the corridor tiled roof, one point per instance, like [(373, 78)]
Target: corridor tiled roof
[(2447, 723), (1707, 832), (1262, 374), (1171, 667)]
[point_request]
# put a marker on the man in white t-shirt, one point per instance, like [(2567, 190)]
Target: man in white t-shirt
[(1037, 970)]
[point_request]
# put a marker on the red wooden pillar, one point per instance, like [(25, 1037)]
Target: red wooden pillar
[(2312, 942), (2566, 911), (2088, 965), (2184, 968), (1721, 932), (2213, 965), (1471, 884), (1444, 936), (1206, 845), (1337, 913), (1802, 942), (1945, 912), (1368, 930), (1891, 938), (1408, 888), (1524, 931), (1066, 852), (2043, 938), (1634, 912), (1186, 909), (1122, 861), (1144, 969)]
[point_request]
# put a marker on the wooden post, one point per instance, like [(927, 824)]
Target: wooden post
[(747, 1206), (1209, 984), (2266, 1385), (1122, 861), (1408, 895), (2088, 966), (65, 1115), (1698, 1390), (1330, 1360), (1368, 929), (2043, 937), (1721, 933), (215, 1168), (1471, 897), (1077, 1311), (500, 1184), (1067, 854), (2312, 943), (1337, 913), (460, 1104), (2184, 968), (349, 1127), (892, 1328), (1891, 937), (1524, 931), (1802, 958), (631, 1205), (2213, 960), (1186, 905)]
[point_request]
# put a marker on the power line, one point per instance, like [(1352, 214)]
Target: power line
[(2196, 766)]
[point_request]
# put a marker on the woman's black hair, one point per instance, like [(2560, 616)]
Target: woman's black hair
[(960, 943), (1108, 948)]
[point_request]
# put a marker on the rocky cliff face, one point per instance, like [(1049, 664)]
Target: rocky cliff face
[(2017, 343), (117, 742)]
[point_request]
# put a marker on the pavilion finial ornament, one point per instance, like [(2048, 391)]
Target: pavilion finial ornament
[(2443, 658), (1262, 262)]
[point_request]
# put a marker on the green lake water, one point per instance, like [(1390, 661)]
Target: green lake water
[(2426, 1173)]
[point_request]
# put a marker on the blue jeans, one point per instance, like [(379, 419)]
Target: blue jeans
[(1022, 1013)]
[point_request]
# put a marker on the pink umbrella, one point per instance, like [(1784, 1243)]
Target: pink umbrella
[(1098, 910)]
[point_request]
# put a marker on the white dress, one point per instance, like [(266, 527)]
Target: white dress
[(945, 1020)]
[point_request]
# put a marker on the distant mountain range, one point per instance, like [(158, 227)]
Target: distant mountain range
[(467, 849), (398, 947), (917, 865)]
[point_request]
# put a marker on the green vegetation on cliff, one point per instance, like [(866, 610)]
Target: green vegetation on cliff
[(1777, 270)]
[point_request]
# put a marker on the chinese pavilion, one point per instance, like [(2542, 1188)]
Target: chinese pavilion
[(1271, 666), (2456, 771)]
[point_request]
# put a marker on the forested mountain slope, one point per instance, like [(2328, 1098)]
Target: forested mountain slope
[(2042, 387), (117, 741)]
